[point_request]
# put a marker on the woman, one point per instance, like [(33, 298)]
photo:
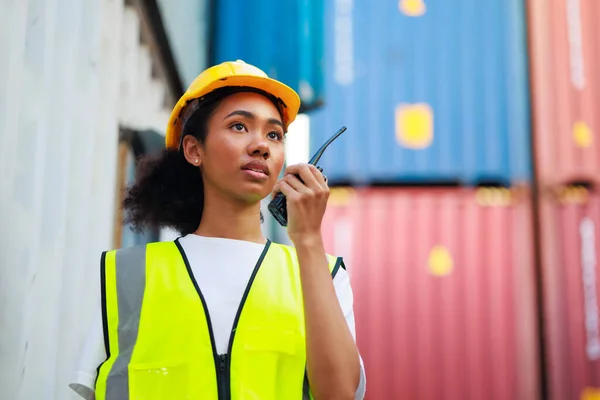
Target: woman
[(222, 312)]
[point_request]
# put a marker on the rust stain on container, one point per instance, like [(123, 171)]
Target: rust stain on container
[(565, 60), (569, 229), (467, 331)]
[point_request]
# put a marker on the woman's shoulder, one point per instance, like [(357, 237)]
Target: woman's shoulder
[(141, 247), (138, 252)]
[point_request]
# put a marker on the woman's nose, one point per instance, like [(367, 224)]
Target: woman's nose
[(259, 147)]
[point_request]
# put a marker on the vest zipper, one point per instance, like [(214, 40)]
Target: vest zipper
[(223, 376), (226, 359), (223, 361)]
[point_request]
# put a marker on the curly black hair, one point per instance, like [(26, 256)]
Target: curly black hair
[(168, 191)]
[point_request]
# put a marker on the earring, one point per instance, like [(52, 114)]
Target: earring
[(197, 161)]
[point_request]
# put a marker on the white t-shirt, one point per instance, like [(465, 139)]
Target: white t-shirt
[(222, 268)]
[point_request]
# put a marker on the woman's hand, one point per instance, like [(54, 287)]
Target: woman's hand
[(306, 200)]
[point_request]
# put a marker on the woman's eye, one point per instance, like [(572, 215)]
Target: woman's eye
[(238, 127), (275, 135)]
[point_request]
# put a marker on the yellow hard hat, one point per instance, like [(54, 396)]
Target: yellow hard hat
[(231, 74)]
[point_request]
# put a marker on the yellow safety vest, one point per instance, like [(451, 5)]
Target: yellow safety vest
[(159, 339)]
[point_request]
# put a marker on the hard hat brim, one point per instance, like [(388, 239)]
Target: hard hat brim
[(286, 94)]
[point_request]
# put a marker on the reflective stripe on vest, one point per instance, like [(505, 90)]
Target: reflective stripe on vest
[(159, 338)]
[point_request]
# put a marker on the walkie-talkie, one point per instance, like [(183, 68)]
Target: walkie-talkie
[(278, 206)]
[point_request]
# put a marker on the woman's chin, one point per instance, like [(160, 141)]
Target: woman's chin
[(254, 195)]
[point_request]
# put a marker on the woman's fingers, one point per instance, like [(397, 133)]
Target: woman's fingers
[(295, 183), (287, 190), (309, 174)]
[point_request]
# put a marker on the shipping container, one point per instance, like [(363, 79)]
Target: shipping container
[(72, 72), (565, 60), (569, 254), (283, 38), (443, 283), (431, 91)]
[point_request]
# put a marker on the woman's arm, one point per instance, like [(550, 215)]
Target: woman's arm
[(93, 354), (332, 356)]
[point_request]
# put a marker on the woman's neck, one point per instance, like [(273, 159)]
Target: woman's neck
[(224, 218)]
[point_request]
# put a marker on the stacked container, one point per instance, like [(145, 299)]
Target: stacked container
[(283, 38), (442, 281), (565, 64), (433, 93), (565, 60), (569, 238)]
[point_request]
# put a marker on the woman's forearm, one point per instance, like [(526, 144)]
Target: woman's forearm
[(332, 356)]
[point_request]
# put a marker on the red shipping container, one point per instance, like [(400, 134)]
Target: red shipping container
[(569, 242), (444, 290), (564, 37)]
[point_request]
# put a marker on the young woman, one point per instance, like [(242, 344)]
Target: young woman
[(222, 312)]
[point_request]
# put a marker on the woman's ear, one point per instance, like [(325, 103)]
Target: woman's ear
[(192, 150)]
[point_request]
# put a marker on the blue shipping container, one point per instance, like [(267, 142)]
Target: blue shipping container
[(283, 38), (431, 91)]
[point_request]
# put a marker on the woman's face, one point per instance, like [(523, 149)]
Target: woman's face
[(243, 153)]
